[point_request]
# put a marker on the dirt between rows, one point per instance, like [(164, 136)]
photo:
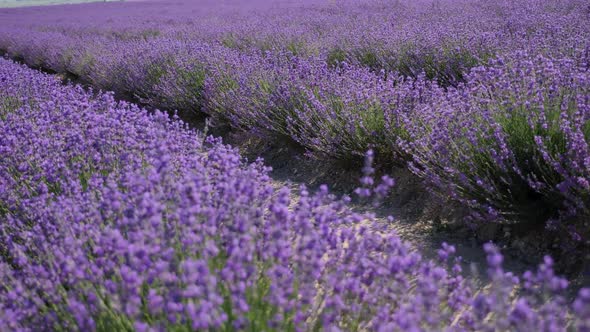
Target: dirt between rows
[(419, 217)]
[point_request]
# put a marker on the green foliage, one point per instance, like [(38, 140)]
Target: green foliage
[(9, 104), (447, 66), (336, 56), (149, 33), (230, 41), (340, 129), (586, 130), (369, 58), (261, 311), (83, 67), (296, 47), (109, 320), (3, 209), (192, 82), (155, 72)]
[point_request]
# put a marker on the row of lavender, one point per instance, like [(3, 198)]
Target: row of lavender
[(115, 219), (509, 140), (439, 37)]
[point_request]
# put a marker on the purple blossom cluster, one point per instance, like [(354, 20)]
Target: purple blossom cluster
[(113, 218)]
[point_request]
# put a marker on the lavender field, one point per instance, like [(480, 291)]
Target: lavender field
[(118, 214)]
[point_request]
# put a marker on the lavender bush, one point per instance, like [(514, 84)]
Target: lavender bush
[(512, 143)]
